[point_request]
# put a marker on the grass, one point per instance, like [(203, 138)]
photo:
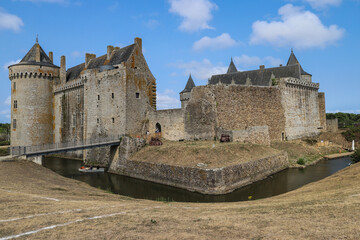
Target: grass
[(327, 209), (214, 154)]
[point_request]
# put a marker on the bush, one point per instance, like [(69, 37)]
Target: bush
[(356, 156), (4, 143), (353, 133), (4, 151), (301, 161)]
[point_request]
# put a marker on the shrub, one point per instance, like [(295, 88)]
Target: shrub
[(301, 161), (356, 156), (4, 143)]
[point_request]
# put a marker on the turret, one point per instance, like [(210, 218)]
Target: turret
[(32, 98), (232, 67), (293, 61), (185, 94)]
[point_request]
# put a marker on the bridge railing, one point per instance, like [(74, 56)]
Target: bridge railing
[(23, 150)]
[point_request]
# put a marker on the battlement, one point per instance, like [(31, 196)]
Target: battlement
[(300, 83)]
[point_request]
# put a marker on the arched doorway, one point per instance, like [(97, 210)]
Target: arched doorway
[(157, 128)]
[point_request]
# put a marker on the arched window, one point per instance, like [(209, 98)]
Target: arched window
[(157, 128)]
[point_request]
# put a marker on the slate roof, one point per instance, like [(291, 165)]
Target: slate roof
[(232, 68), (119, 56), (293, 61), (261, 77), (189, 85), (30, 58)]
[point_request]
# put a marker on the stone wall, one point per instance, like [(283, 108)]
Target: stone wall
[(322, 110), (301, 106), (332, 125), (233, 107), (206, 181), (171, 122), (32, 89), (253, 135)]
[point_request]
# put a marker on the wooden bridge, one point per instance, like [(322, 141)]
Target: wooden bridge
[(45, 149)]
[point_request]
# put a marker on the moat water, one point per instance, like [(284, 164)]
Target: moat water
[(282, 182)]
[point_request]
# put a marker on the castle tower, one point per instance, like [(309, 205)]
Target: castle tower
[(32, 98), (293, 61), (186, 93)]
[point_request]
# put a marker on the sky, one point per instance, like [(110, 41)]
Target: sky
[(193, 36)]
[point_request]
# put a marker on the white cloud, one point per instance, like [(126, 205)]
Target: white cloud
[(5, 113), (76, 54), (195, 13), (220, 42), (167, 100), (8, 101), (320, 4), (152, 24), (6, 65), (10, 21), (251, 61), (201, 70), (344, 111), (297, 28)]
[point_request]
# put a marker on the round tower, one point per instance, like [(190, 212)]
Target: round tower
[(32, 98), (185, 94)]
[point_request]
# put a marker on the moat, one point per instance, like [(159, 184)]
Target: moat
[(282, 182)]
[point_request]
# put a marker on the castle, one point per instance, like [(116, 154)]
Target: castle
[(116, 94)]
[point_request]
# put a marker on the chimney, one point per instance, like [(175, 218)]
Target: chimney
[(37, 54), (262, 66), (110, 49), (62, 69), (51, 57), (139, 42), (88, 58)]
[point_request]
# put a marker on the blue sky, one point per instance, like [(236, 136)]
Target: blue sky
[(194, 36)]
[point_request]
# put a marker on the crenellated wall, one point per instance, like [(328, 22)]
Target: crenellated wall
[(301, 106), (32, 104)]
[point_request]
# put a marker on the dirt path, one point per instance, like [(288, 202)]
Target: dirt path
[(338, 155), (36, 203)]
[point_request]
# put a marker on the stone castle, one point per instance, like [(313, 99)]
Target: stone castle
[(115, 94)]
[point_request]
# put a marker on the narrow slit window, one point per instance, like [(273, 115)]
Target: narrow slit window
[(97, 120), (98, 97), (113, 120), (137, 95), (14, 123), (112, 95), (15, 104), (14, 85)]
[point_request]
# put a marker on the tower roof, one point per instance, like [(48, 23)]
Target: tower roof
[(232, 67), (293, 61), (30, 57), (189, 85)]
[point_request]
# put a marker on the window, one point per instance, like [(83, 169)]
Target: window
[(112, 95), (113, 120), (15, 104), (14, 123), (98, 97), (137, 95), (14, 87), (74, 120), (78, 98), (97, 120)]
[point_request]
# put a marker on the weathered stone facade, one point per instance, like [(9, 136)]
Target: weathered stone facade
[(115, 95), (332, 125)]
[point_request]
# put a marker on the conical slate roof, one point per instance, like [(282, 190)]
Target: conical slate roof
[(30, 57), (189, 85), (293, 61), (232, 67)]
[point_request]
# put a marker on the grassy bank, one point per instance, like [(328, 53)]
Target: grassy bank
[(213, 154), (39, 202)]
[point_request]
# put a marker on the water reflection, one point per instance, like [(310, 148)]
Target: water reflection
[(278, 183)]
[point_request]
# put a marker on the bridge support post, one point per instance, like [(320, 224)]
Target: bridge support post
[(37, 159)]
